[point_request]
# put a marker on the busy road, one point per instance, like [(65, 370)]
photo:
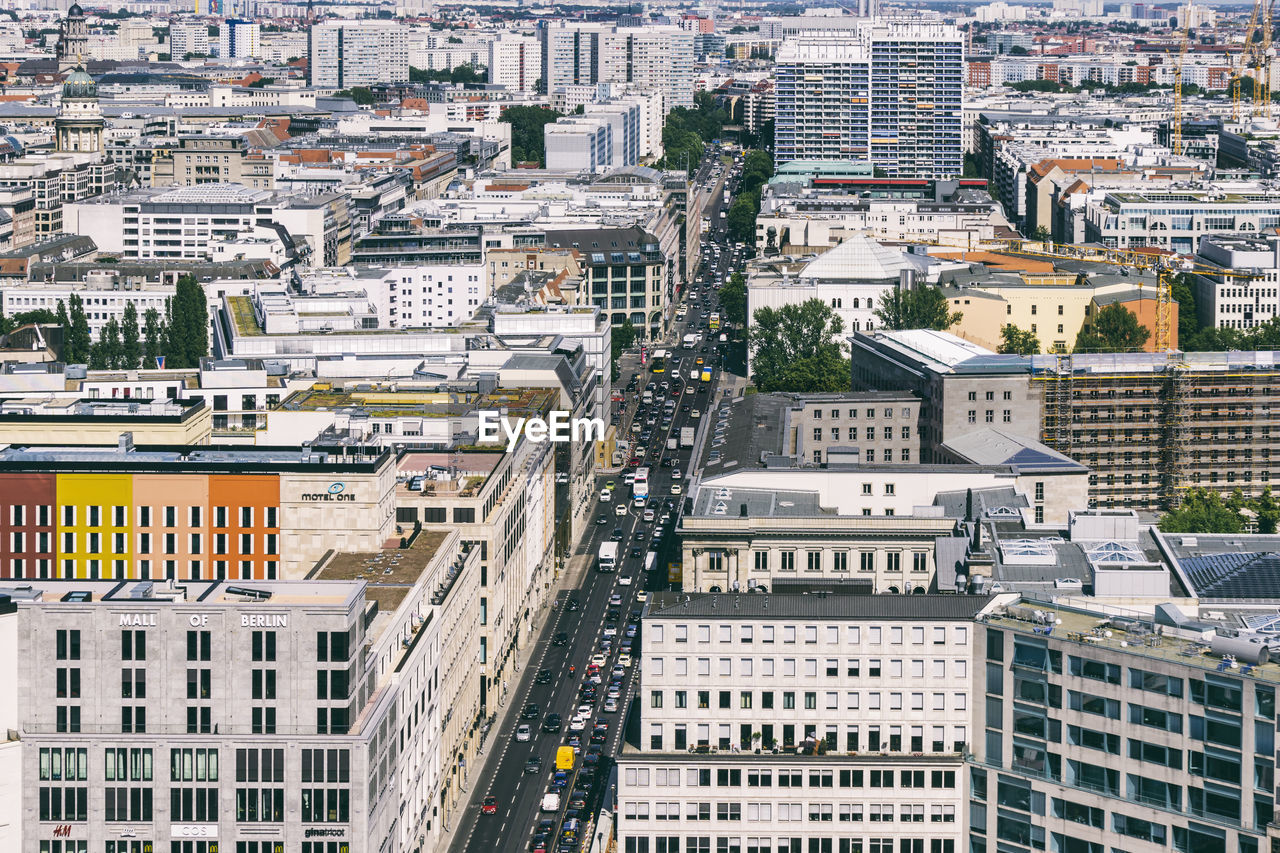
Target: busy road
[(578, 686)]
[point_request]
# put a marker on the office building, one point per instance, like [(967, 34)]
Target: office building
[(1177, 219), (188, 37), (188, 514), (250, 715), (794, 723), (1238, 301), (514, 62), (1149, 730), (578, 142), (625, 272), (1146, 425), (343, 54), (238, 39), (657, 57), (889, 92)]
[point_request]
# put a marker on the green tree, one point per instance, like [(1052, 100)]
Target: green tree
[(741, 218), (798, 348), (757, 168), (1041, 234), (1183, 292), (622, 339), (130, 338), (24, 318), (733, 300), (79, 340), (1114, 329), (362, 95), (527, 140), (1267, 509), (916, 308), (153, 339), (105, 354), (1202, 511), (1018, 342), (189, 328)]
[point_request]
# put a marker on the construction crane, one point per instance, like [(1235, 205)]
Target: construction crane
[(1255, 60), (1242, 61), (1164, 266), (1177, 79)]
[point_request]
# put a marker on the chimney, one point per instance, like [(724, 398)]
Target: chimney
[(968, 505)]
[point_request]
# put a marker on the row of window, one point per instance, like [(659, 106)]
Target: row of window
[(870, 433), (830, 700), (783, 844), (730, 777), (118, 543), (815, 560), (816, 812), (907, 413), (896, 635), (97, 516)]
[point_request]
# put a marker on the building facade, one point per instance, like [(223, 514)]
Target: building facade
[(358, 53), (890, 92)]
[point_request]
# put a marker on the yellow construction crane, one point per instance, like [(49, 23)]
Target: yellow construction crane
[(1177, 79), (1242, 61), (1255, 61), (1164, 266)]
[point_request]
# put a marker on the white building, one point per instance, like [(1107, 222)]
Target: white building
[(102, 295), (661, 57), (801, 722), (623, 118), (1238, 302), (514, 62), (238, 40), (577, 142), (358, 53), (415, 297), (188, 37)]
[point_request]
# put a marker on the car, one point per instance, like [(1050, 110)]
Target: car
[(543, 677), (489, 806), (685, 407), (533, 764), (615, 600), (560, 639), (677, 474), (600, 660), (605, 496), (634, 461), (616, 535), (612, 614), (629, 478), (602, 518), (551, 723), (560, 780), (624, 580), (624, 659), (636, 552), (574, 740), (577, 724), (649, 515), (636, 427), (578, 800), (530, 712), (666, 462), (574, 604), (666, 516), (676, 489), (642, 596), (631, 630), (610, 630), (695, 413), (592, 755), (620, 510), (524, 733), (610, 706), (609, 485), (618, 671)]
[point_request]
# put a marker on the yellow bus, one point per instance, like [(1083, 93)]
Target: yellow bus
[(658, 364), (714, 322)]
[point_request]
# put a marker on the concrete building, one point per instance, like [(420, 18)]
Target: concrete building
[(658, 57), (54, 181), (1238, 302), (79, 125), (50, 421), (1097, 728), (358, 53), (408, 297), (578, 142), (238, 39), (234, 720), (203, 159), (905, 118), (625, 271), (514, 62), (787, 722), (188, 37), (1177, 219), (208, 513)]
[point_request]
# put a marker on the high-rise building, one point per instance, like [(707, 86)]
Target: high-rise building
[(188, 37), (358, 53), (514, 62), (889, 92), (238, 39), (660, 57)]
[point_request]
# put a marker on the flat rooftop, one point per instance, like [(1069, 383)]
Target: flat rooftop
[(275, 593), (762, 605), (389, 574), (213, 459)]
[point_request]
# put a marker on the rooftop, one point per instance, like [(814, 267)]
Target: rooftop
[(874, 608), (995, 447), (211, 459), (389, 574), (276, 593)]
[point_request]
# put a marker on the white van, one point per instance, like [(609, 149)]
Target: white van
[(551, 802)]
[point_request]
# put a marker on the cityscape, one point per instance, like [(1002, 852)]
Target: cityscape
[(710, 427)]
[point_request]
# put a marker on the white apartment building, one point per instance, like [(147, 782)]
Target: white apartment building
[(358, 53), (623, 117), (103, 296), (889, 92), (834, 724), (514, 62), (238, 39), (1238, 302), (660, 57), (578, 143), (188, 37), (412, 297)]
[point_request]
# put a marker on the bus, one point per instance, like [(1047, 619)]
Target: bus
[(658, 363), (714, 322), (640, 488), (608, 558)]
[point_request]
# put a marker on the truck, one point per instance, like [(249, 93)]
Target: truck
[(564, 758), (687, 435), (690, 341), (551, 802), (607, 560), (672, 443)]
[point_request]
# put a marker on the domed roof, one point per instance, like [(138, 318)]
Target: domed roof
[(75, 11), (79, 85)]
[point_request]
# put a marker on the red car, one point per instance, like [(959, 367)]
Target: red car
[(490, 806)]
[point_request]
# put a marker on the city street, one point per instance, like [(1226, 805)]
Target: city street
[(518, 793)]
